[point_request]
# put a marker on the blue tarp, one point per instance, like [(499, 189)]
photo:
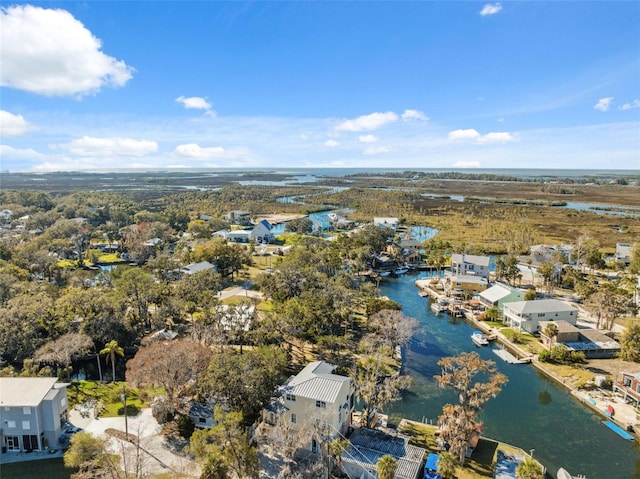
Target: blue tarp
[(431, 467)]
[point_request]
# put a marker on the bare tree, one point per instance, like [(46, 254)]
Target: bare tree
[(459, 422), (174, 365), (64, 350)]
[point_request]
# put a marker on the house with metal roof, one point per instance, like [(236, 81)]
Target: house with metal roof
[(498, 294), (194, 268), (367, 446), (262, 232), (527, 315), (593, 343), (32, 412), (470, 264), (315, 396)]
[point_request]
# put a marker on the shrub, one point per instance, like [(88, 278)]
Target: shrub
[(544, 356)]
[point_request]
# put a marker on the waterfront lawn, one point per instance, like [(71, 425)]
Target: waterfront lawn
[(37, 469), (479, 466)]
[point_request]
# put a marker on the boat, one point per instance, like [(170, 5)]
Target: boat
[(610, 411), (591, 400), (478, 338), (618, 430), (400, 271), (384, 274), (440, 307), (563, 474)]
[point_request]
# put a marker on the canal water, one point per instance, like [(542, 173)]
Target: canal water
[(531, 412)]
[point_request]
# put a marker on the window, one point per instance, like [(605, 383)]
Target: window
[(294, 419), (26, 425), (11, 424), (541, 315), (63, 401), (26, 410), (321, 404), (290, 397), (202, 419)]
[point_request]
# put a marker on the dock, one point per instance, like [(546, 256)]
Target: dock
[(510, 358)]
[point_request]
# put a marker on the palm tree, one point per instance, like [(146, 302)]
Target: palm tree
[(336, 448), (386, 467), (529, 469), (447, 465), (111, 349), (551, 331)]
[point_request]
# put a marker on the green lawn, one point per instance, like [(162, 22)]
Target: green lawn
[(36, 469), (109, 396)]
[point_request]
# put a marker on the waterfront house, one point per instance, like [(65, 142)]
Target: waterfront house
[(470, 264), (464, 284), (623, 253), (594, 344), (315, 396), (32, 412), (498, 294), (367, 446), (194, 268), (526, 315), (261, 232), (628, 385), (386, 222)]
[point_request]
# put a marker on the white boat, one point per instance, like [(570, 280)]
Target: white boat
[(400, 271), (479, 339), (384, 274), (440, 307), (563, 474)]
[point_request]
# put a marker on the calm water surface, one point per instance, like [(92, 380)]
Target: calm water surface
[(531, 412)]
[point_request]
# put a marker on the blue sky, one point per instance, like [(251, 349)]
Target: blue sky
[(110, 85)]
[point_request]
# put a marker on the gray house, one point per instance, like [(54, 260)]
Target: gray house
[(470, 264), (32, 411), (527, 315)]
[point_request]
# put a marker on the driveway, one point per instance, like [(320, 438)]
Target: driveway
[(155, 456)]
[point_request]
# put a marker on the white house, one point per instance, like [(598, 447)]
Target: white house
[(623, 253), (500, 293), (470, 264), (32, 412), (261, 232), (316, 395), (526, 315), (386, 222), (194, 268)]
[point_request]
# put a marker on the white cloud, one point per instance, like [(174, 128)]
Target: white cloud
[(196, 152), (20, 153), (496, 137), (604, 104), (368, 122), (14, 125), (331, 143), (196, 103), (377, 150), (367, 139), (414, 115), (49, 52), (92, 146), (466, 164), (469, 134), (472, 134), (629, 106), (490, 9)]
